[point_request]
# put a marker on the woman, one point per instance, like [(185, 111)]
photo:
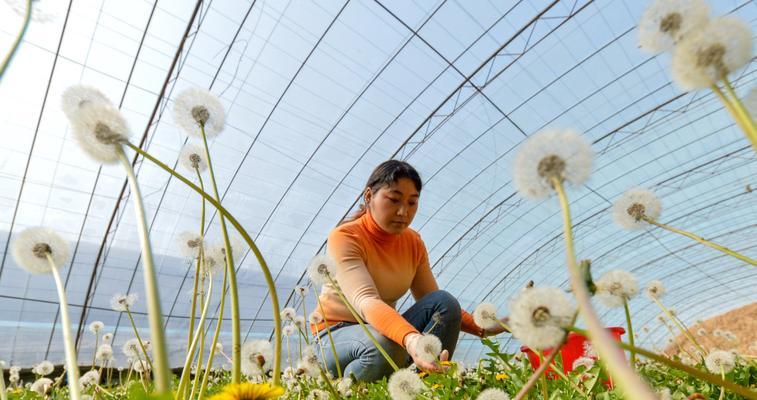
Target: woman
[(378, 259)]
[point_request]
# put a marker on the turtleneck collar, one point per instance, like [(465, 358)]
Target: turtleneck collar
[(375, 230)]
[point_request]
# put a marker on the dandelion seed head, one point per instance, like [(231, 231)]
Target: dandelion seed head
[(539, 316), (96, 326), (309, 362), (192, 158), (256, 357), (89, 378), (427, 347), (190, 243), (132, 349), (77, 97), (288, 330), (561, 154), (31, 247), (140, 366), (318, 394), (44, 368), (493, 394), (666, 22), (344, 387), (196, 107), (321, 269), (104, 352), (41, 386), (288, 313), (123, 302), (717, 49), (404, 385), (720, 358), (299, 322), (615, 287), (315, 318), (635, 204), (655, 289), (485, 316), (100, 130), (218, 250)]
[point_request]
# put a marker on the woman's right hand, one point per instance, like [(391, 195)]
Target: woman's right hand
[(434, 366)]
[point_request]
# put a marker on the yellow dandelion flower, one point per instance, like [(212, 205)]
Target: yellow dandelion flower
[(447, 363), (436, 386), (422, 374), (500, 377), (249, 391)]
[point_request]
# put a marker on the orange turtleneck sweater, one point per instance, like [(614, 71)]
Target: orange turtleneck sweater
[(374, 270)]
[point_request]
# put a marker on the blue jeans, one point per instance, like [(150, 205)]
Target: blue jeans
[(360, 357)]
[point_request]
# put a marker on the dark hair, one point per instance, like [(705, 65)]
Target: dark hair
[(385, 174)]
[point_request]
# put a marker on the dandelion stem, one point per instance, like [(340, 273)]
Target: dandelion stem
[(216, 335), (367, 331), (633, 386), (202, 332), (248, 240), (236, 337), (3, 394), (702, 241), (305, 314), (201, 255), (331, 339), (72, 367), (19, 37), (94, 354), (572, 384), (139, 338), (184, 381), (680, 326), (748, 124), (705, 376), (630, 330), (722, 388), (523, 392), (162, 372), (543, 378)]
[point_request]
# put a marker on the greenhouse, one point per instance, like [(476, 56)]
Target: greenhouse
[(375, 199)]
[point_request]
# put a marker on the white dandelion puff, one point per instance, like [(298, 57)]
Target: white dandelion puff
[(218, 250), (321, 268), (562, 154), (190, 244), (132, 349), (256, 357), (288, 330), (666, 22), (493, 394), (96, 326), (633, 206), (78, 97), (140, 366), (90, 378), (123, 302), (100, 130), (344, 387), (104, 352), (427, 347), (315, 318), (192, 158), (717, 49), (539, 316), (318, 394), (720, 358), (107, 337), (288, 313), (655, 289), (485, 316), (44, 368), (309, 362), (404, 385), (32, 246), (41, 386), (196, 107), (615, 287)]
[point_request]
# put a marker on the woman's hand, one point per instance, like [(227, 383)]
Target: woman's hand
[(423, 365), (501, 327)]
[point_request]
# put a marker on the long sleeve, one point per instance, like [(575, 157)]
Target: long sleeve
[(360, 290)]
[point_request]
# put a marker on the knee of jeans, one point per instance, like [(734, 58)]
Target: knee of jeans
[(448, 304), (396, 352)]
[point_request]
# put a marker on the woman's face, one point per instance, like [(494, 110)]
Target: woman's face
[(394, 206)]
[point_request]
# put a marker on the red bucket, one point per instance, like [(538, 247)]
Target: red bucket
[(574, 349)]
